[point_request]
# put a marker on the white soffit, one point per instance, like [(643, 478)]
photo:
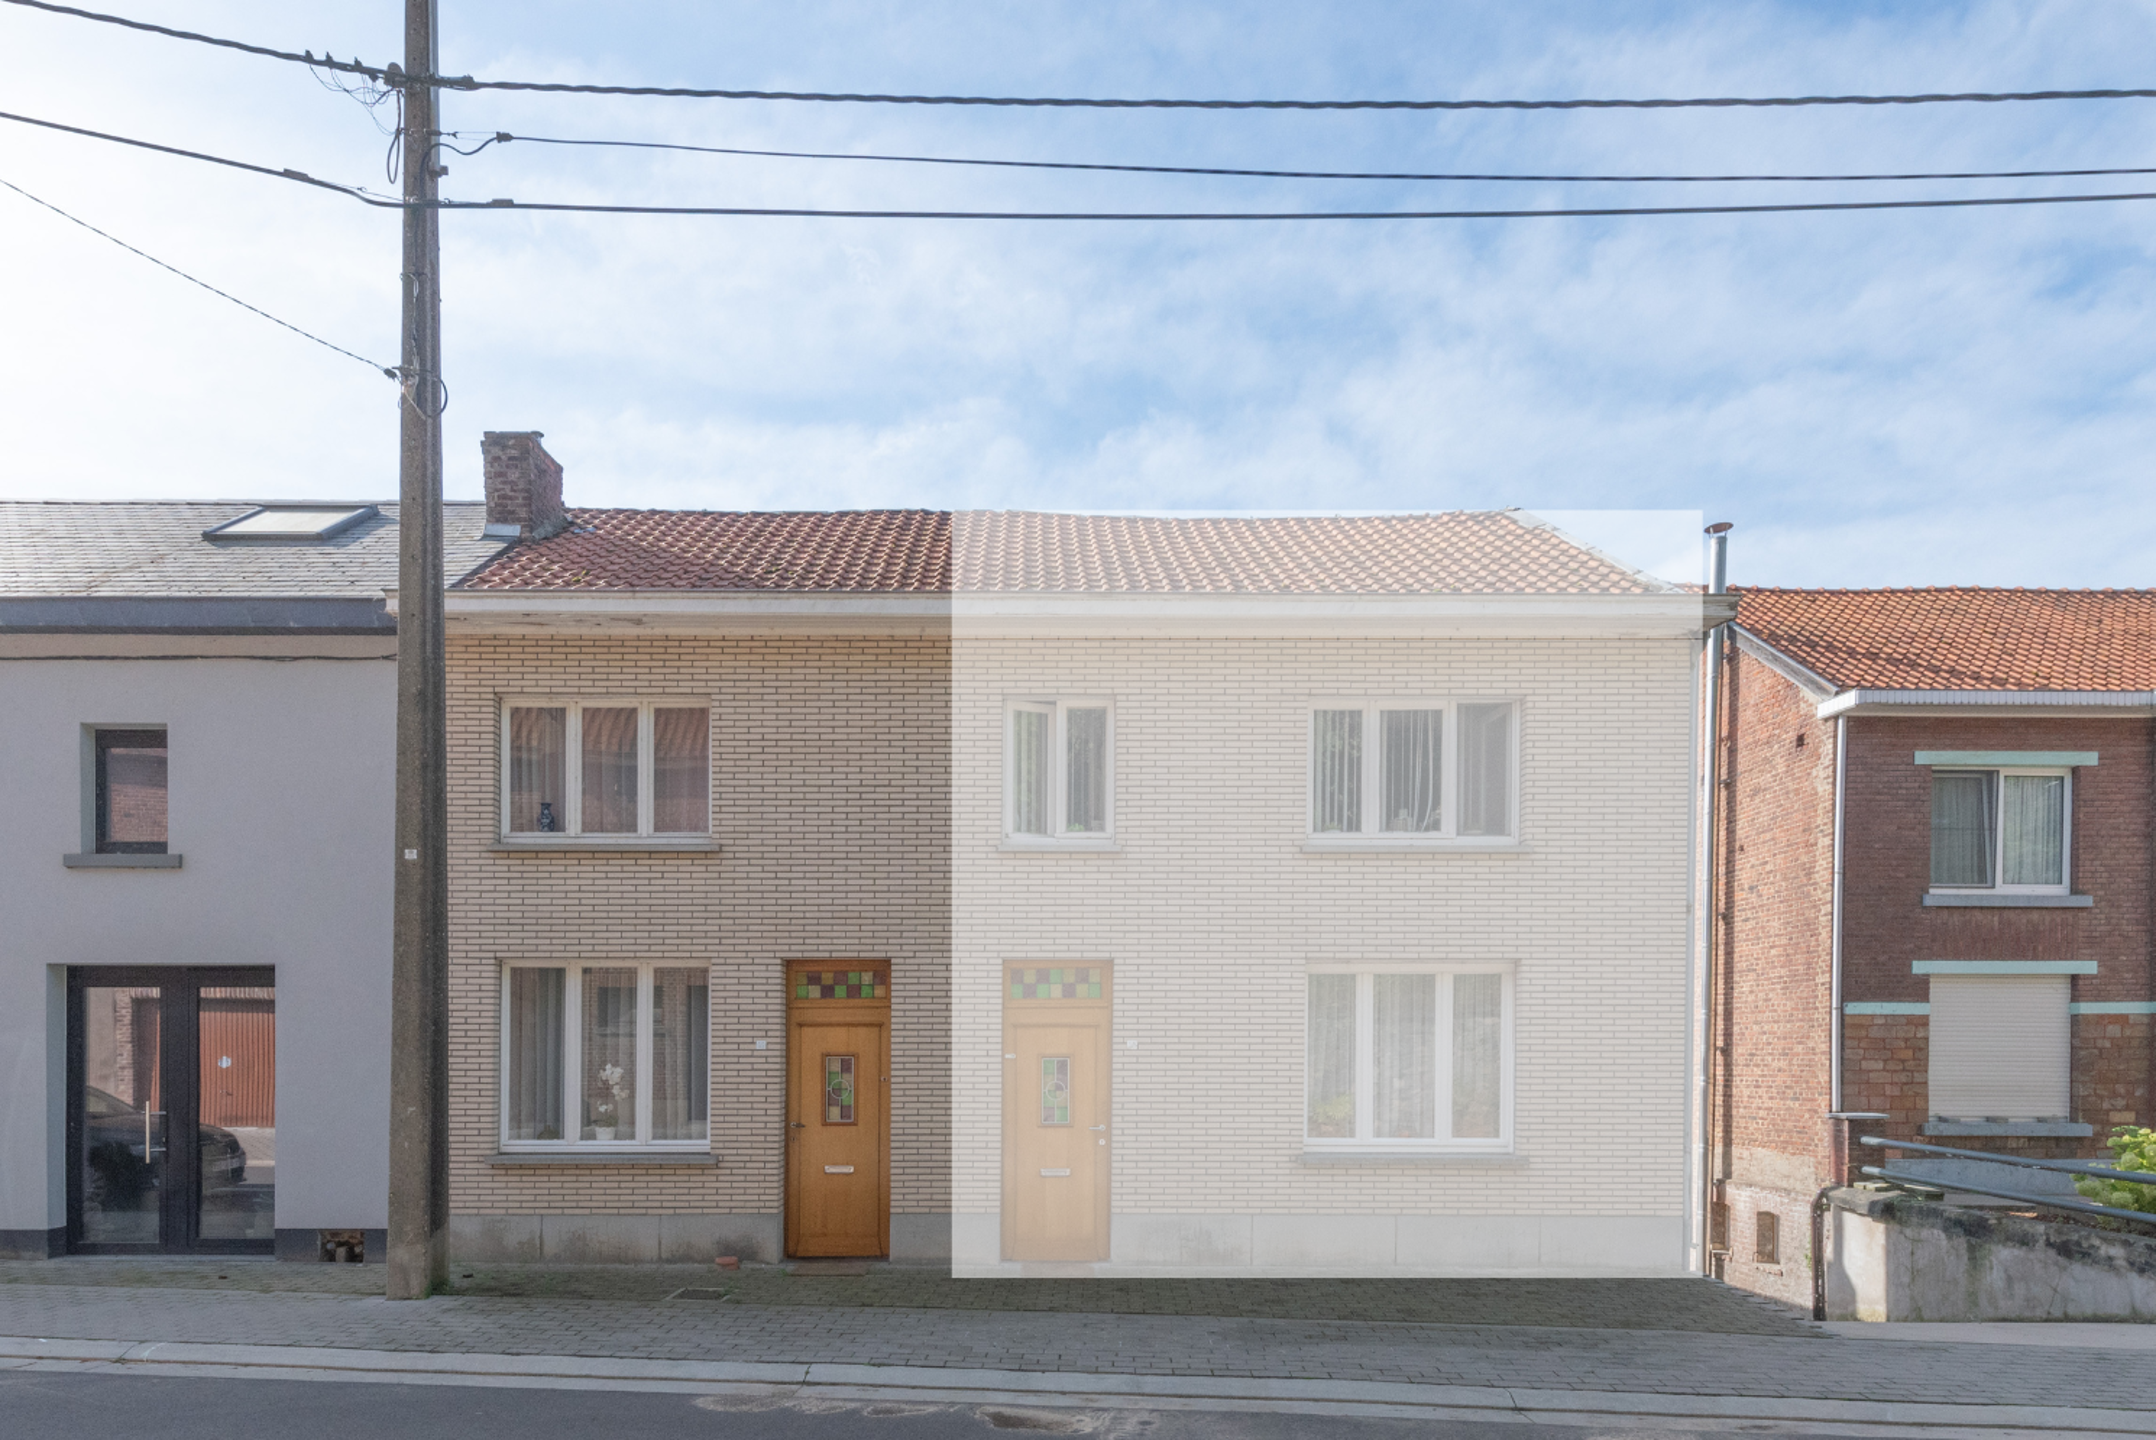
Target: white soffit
[(2091, 704), (1664, 616)]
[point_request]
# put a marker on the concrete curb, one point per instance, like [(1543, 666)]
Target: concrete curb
[(953, 1386)]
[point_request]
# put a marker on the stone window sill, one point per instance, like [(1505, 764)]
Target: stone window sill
[(1046, 846), (603, 1157), (1993, 899), (587, 844), (121, 862), (2060, 1128), (1410, 1157), (1384, 845)]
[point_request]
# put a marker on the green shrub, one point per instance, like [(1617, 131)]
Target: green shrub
[(2133, 1147)]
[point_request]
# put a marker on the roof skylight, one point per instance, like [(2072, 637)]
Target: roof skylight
[(292, 522)]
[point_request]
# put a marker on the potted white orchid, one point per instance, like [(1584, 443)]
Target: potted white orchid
[(615, 1082)]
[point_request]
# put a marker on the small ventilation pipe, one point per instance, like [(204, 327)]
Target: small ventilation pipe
[(1709, 1071)]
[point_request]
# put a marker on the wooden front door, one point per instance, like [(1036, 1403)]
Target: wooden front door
[(838, 1109), (1055, 1112)]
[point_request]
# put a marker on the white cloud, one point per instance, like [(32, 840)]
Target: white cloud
[(1957, 396)]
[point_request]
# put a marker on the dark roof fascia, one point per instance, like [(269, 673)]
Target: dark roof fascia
[(195, 615), (1818, 686)]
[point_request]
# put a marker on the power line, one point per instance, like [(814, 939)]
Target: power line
[(298, 176), (1071, 103), (500, 136), (465, 82), (1167, 215), (1599, 211), (192, 280), (350, 67)]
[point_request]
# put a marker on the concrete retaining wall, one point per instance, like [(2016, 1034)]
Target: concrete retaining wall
[(1898, 1258)]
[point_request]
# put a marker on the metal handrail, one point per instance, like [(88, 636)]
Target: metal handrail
[(2053, 1202), (2071, 1167)]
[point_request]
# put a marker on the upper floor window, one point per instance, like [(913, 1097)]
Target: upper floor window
[(606, 767), (130, 784), (2005, 829), (1057, 784), (1414, 768)]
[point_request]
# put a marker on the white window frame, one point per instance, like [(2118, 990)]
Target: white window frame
[(1366, 1072), (1998, 830), (572, 1061), (1373, 835), (573, 770), (1057, 838)]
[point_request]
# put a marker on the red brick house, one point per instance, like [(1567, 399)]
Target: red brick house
[(1931, 891)]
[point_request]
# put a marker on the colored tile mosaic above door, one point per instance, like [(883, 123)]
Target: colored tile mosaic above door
[(1066, 982), (823, 984)]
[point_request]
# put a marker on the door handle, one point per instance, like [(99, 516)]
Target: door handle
[(798, 1124), (1096, 1127)]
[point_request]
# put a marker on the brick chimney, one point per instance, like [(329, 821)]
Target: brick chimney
[(523, 485)]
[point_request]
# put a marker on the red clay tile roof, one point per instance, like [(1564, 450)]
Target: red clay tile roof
[(843, 550), (1460, 552), (1962, 639)]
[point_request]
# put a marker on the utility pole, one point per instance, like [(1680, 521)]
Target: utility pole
[(419, 982)]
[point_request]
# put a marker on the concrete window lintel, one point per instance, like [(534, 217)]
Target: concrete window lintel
[(2003, 967)]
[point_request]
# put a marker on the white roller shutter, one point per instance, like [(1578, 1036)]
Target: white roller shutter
[(2000, 1047)]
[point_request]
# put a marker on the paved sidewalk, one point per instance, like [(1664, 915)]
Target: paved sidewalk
[(1675, 1304), (1810, 1363)]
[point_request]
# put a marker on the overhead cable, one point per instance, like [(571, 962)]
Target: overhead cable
[(394, 75), (1074, 103), (193, 280), (308, 57), (502, 136), (561, 207)]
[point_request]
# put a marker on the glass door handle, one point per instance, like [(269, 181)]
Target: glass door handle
[(149, 1147)]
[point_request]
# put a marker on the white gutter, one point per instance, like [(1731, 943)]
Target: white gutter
[(1663, 615), (2119, 702)]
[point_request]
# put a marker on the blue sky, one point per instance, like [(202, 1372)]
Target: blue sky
[(1932, 397)]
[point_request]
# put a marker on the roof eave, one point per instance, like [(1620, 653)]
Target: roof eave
[(1662, 614), (2088, 704)]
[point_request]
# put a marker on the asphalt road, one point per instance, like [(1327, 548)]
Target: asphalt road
[(48, 1406)]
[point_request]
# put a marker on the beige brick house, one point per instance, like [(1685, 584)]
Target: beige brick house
[(1303, 895)]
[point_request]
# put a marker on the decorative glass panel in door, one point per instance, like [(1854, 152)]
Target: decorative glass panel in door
[(123, 1155)]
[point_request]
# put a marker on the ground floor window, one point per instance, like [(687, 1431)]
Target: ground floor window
[(2000, 1047), (1408, 1058), (605, 1054)]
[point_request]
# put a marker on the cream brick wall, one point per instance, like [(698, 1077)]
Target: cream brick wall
[(830, 798), (1212, 909)]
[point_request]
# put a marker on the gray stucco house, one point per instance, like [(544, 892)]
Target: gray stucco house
[(195, 848)]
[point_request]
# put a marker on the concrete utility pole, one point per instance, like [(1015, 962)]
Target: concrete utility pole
[(419, 983)]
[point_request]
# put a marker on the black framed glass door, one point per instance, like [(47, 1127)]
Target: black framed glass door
[(172, 1126)]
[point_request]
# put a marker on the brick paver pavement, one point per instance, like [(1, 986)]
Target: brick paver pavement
[(1593, 1304), (1692, 1362)]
